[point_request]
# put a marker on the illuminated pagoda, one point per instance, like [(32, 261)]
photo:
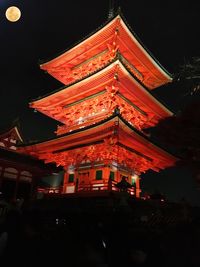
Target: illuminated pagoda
[(104, 105)]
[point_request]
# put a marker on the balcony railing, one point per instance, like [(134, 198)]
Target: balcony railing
[(94, 186)]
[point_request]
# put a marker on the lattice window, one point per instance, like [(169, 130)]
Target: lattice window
[(71, 178), (10, 173), (99, 175), (26, 176), (112, 176)]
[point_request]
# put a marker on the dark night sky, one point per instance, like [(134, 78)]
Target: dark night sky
[(169, 29)]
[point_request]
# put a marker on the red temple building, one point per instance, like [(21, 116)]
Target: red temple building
[(18, 173), (104, 107)]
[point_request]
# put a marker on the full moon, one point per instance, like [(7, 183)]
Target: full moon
[(13, 14)]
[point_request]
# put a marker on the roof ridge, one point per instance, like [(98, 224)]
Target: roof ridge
[(14, 124)]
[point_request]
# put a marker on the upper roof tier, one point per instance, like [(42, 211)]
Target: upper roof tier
[(100, 48)]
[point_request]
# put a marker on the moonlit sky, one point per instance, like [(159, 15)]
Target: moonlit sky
[(169, 29)]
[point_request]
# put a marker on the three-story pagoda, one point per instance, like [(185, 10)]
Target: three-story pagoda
[(104, 105)]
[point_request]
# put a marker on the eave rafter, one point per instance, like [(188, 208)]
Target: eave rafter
[(69, 73), (108, 152), (113, 140), (93, 109)]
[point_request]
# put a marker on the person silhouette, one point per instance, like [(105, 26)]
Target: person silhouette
[(123, 185)]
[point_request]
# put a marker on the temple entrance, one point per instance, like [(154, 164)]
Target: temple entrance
[(83, 181)]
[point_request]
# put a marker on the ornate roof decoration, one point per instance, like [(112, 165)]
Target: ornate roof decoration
[(100, 47), (100, 142)]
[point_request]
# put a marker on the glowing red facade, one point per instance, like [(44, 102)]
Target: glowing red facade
[(104, 107), (18, 173)]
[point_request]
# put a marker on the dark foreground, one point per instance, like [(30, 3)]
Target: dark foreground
[(104, 231)]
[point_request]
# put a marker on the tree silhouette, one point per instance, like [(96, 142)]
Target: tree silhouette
[(181, 132), (189, 75)]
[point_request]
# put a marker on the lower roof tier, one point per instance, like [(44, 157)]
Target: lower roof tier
[(111, 140), (113, 82)]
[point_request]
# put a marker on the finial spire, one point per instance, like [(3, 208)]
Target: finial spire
[(111, 9)]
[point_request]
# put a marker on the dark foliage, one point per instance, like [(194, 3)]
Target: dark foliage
[(189, 76), (181, 134)]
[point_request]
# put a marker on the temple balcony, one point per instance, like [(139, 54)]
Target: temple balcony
[(94, 188)]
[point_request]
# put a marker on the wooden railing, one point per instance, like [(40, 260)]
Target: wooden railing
[(94, 186), (50, 190), (102, 186)]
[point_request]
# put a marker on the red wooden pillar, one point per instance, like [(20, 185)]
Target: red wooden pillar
[(118, 176), (137, 187), (76, 180), (1, 177), (92, 175), (16, 186), (33, 189), (106, 175), (65, 180)]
